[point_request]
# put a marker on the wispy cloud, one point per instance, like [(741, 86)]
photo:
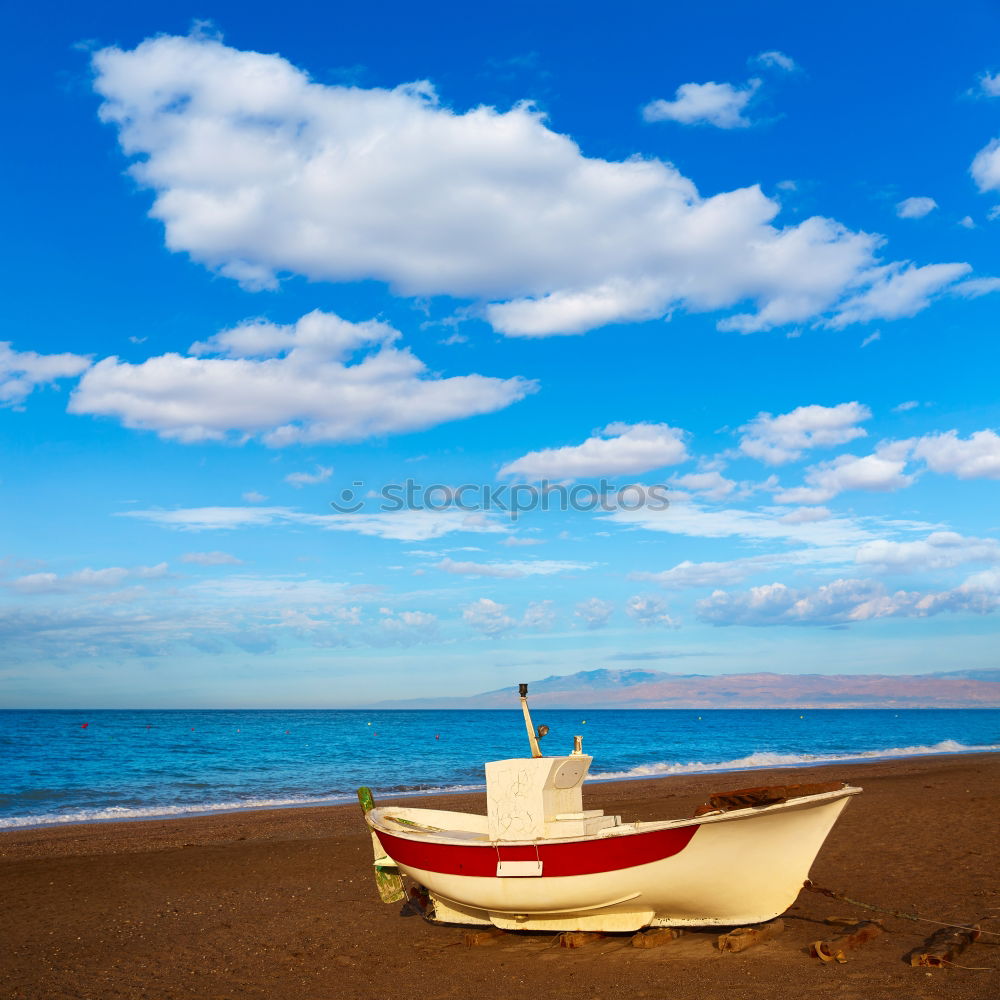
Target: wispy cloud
[(215, 558), (84, 579), (404, 525), (299, 479), (512, 570), (692, 518), (776, 60)]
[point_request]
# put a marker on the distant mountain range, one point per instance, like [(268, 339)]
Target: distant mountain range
[(655, 689)]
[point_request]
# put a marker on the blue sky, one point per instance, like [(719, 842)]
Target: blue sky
[(258, 257)]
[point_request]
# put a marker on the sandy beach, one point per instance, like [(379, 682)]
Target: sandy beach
[(281, 904)]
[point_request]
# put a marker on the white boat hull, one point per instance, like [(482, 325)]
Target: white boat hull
[(739, 867)]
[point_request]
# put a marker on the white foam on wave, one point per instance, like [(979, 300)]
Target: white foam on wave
[(758, 761), (754, 761), (112, 814)]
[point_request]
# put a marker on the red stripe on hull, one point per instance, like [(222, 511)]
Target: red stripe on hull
[(582, 857)]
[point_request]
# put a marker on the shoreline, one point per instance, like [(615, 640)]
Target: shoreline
[(280, 904), (654, 788), (348, 800)]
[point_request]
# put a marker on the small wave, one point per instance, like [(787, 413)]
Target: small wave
[(106, 813), (113, 814), (757, 761)]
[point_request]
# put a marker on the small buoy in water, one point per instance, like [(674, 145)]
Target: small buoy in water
[(699, 718), (437, 736), (369, 723), (801, 716), (583, 722), (83, 725)]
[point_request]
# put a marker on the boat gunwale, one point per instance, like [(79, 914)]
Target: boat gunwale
[(374, 818)]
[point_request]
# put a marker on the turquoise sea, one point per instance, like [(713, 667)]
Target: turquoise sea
[(78, 766)]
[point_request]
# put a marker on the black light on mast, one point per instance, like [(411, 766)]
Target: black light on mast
[(533, 736)]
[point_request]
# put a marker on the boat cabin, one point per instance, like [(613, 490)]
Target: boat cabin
[(541, 798)]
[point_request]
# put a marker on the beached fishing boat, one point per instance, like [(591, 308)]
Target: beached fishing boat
[(539, 861)]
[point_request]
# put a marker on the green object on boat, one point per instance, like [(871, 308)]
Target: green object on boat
[(387, 878), (414, 824), (365, 798)]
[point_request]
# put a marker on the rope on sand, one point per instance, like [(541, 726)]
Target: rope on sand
[(971, 968), (833, 894)]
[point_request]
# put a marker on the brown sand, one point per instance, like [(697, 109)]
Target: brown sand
[(281, 904)]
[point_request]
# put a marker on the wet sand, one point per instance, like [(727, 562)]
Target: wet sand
[(281, 904)]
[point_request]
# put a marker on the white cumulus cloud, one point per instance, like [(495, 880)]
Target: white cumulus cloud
[(259, 172), (594, 612), (915, 208), (976, 457), (939, 550), (648, 611), (719, 104), (302, 382), (880, 472), (985, 168), (539, 615), (846, 601), (989, 83), (783, 438), (712, 484), (619, 449), (488, 617), (408, 627), (21, 372)]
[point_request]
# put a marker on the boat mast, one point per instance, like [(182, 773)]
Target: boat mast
[(532, 738)]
